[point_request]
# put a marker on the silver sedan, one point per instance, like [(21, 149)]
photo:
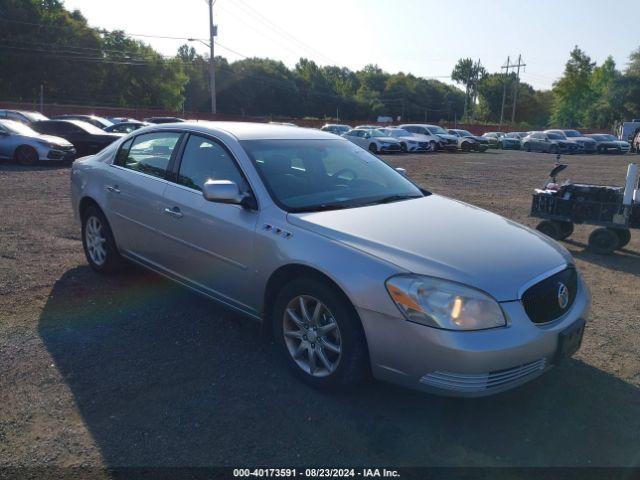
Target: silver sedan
[(26, 146), (350, 266)]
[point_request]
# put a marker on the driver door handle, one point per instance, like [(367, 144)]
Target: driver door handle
[(174, 212), (113, 189)]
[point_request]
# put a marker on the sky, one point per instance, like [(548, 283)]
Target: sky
[(422, 37)]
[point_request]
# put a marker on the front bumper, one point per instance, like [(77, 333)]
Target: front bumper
[(511, 145), (59, 154), (469, 364), (391, 148)]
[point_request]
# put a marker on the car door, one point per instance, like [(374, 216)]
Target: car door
[(211, 243), (7, 145), (134, 191)]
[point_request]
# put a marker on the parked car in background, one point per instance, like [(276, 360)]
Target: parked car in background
[(19, 142), (409, 142), (511, 140), (606, 143), (468, 141), (161, 120), (94, 120), (494, 138), (585, 144), (351, 268), (373, 140), (336, 128), (629, 131), (548, 142), (446, 140), (22, 116), (126, 127), (86, 138), (121, 119), (369, 127)]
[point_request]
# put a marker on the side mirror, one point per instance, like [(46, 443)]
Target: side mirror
[(401, 171), (225, 191)]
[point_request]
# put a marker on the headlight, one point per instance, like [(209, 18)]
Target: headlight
[(442, 304)]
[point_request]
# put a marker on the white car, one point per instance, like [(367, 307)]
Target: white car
[(373, 140), (409, 142), (439, 137)]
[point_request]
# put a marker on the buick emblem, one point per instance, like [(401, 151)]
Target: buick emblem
[(563, 296)]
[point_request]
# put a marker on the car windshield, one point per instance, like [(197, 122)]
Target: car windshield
[(465, 133), (572, 133), (399, 132), (377, 133), (437, 130), (18, 128), (34, 116), (609, 138), (555, 136), (87, 127), (314, 175)]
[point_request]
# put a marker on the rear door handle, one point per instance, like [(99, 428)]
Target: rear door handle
[(174, 212), (113, 189)]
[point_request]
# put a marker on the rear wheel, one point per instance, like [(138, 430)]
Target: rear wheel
[(624, 236), (555, 229), (466, 146), (319, 334), (373, 148), (98, 242), (26, 155), (603, 241)]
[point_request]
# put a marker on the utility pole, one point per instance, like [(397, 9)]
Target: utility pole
[(213, 31), (504, 89), (42, 97), (515, 88)]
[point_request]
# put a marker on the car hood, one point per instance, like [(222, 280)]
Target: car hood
[(581, 139), (386, 139), (51, 139), (444, 238), (447, 136)]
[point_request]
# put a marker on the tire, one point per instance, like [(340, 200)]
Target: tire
[(373, 148), (624, 237), (350, 365), (26, 155), (553, 149), (551, 229), (566, 229), (603, 241), (465, 147), (94, 223), (403, 147)]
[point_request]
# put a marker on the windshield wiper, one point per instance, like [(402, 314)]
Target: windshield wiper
[(393, 198), (323, 207)]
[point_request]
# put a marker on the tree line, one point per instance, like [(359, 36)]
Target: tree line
[(42, 44)]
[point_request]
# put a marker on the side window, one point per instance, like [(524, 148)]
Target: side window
[(150, 153), (203, 160), (123, 153)]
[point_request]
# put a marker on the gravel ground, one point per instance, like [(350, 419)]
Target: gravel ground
[(132, 370)]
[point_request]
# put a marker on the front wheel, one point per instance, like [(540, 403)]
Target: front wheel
[(319, 334), (373, 148), (603, 241), (26, 155), (466, 146), (527, 147), (98, 242)]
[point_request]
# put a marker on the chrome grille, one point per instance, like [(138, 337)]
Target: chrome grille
[(477, 382)]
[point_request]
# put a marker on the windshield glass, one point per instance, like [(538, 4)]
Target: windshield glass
[(572, 133), (308, 175), (437, 130), (465, 133), (377, 133), (18, 128), (87, 127), (555, 136), (609, 138), (399, 132)]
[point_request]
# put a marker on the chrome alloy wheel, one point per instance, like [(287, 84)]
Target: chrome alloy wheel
[(312, 336), (95, 240)]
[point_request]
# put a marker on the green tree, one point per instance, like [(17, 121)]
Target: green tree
[(573, 91), (469, 74)]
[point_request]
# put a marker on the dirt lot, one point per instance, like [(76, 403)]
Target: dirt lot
[(132, 370)]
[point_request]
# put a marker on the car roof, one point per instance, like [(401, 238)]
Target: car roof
[(251, 131)]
